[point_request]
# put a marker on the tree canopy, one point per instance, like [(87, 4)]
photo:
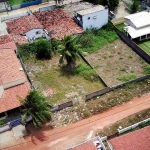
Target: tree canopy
[(37, 107)]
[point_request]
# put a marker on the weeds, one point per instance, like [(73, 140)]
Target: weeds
[(147, 69), (126, 78)]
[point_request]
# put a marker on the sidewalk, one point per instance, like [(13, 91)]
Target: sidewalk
[(34, 8), (73, 134)]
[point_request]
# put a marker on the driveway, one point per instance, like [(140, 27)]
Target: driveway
[(68, 136)]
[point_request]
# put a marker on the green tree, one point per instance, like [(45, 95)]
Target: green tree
[(43, 49), (69, 51), (37, 107), (133, 6), (113, 3)]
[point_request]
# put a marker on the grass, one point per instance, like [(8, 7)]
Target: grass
[(15, 2), (147, 69), (112, 129), (120, 26), (145, 45), (127, 77), (92, 40)]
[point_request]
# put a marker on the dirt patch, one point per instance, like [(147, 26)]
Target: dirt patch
[(116, 60)]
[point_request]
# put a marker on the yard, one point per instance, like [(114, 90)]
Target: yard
[(145, 45), (117, 63)]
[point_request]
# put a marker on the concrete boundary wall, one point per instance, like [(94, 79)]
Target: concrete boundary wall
[(133, 126), (5, 127)]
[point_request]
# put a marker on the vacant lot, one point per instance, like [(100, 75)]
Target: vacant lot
[(59, 86), (117, 63)]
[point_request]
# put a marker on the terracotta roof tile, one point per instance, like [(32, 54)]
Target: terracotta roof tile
[(60, 22), (10, 71), (137, 140), (23, 25), (5, 39), (85, 146), (20, 39)]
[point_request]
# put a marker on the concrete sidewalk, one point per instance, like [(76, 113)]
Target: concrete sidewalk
[(34, 8)]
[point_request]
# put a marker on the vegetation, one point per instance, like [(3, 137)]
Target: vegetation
[(112, 129), (15, 2), (93, 39), (134, 6), (147, 69), (42, 49), (145, 45), (69, 51), (1, 122), (127, 77), (37, 107)]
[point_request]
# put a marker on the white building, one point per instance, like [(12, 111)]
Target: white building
[(94, 17), (138, 25)]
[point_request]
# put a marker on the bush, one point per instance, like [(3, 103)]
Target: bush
[(1, 123), (43, 49), (55, 43)]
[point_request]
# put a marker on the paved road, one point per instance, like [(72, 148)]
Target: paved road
[(65, 137)]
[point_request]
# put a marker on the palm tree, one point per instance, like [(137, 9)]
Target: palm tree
[(69, 51), (37, 107)]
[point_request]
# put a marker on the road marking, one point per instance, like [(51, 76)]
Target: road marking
[(90, 135)]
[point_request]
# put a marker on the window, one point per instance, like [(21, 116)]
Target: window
[(38, 32), (88, 18)]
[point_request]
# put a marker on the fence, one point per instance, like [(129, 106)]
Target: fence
[(62, 106), (47, 8), (31, 3), (133, 45), (93, 69), (132, 126)]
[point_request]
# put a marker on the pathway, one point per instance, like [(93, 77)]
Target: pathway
[(68, 136)]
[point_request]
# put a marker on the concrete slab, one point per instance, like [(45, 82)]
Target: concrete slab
[(19, 131), (3, 30)]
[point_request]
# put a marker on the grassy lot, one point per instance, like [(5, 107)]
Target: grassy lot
[(117, 63), (145, 45), (47, 74), (112, 129), (16, 2)]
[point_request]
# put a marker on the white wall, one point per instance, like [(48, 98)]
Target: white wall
[(32, 34), (101, 19)]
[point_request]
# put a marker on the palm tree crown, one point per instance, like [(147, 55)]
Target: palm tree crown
[(37, 107)]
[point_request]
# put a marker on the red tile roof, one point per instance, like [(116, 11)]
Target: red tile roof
[(23, 25), (5, 39), (137, 140), (85, 146), (10, 71), (20, 39), (60, 22)]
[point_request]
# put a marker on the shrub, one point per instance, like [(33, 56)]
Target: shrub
[(1, 122), (43, 49)]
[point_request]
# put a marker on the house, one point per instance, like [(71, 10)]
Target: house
[(95, 143), (138, 25), (13, 81), (27, 26), (94, 17), (136, 140), (58, 23)]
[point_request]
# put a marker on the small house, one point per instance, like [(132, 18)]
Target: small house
[(94, 17)]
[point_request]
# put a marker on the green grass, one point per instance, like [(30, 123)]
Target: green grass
[(145, 45), (92, 40), (120, 26), (127, 77), (16, 2), (147, 69)]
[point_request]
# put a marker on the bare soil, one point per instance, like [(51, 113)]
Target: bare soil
[(114, 60)]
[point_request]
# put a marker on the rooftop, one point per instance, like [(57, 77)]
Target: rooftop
[(141, 19), (91, 10), (23, 25), (10, 72), (59, 22), (137, 140), (5, 39)]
